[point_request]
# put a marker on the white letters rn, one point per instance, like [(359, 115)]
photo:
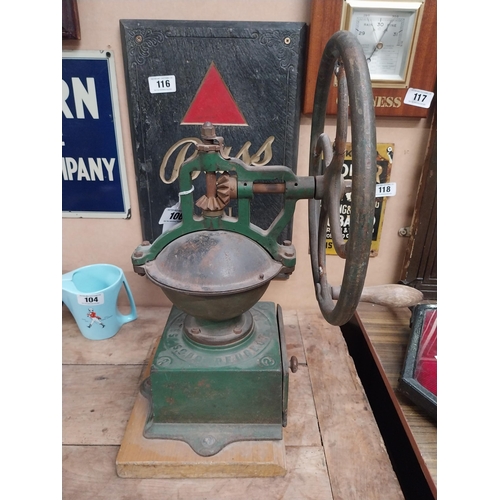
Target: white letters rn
[(92, 168), (81, 96)]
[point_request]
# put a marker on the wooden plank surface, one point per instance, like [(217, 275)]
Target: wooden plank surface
[(89, 474), (302, 428), (100, 387), (131, 345), (97, 401), (356, 457), (389, 332), (294, 344)]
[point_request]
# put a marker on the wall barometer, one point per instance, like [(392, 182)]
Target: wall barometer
[(399, 42)]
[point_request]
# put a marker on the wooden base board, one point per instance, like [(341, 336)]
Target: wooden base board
[(139, 457), (143, 458)]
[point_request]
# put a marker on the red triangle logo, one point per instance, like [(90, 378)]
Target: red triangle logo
[(213, 103)]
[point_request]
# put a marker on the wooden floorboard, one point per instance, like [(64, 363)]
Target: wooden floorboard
[(89, 474), (131, 345), (389, 331), (97, 401), (333, 447), (355, 453)]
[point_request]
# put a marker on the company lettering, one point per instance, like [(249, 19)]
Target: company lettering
[(82, 97), (89, 169)]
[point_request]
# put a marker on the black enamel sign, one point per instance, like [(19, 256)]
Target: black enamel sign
[(245, 78)]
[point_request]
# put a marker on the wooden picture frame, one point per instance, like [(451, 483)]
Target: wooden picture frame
[(326, 19), (70, 20), (419, 375)]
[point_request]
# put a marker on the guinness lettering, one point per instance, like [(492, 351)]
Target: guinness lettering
[(382, 101)]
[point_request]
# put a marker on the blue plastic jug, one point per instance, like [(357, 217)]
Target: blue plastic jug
[(91, 294)]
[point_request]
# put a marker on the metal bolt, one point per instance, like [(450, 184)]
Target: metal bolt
[(138, 38), (195, 331), (261, 276), (294, 364), (237, 330), (288, 251), (287, 40), (138, 254), (208, 441), (208, 131), (405, 231)]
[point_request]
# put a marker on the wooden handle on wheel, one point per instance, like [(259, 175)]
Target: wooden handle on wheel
[(387, 295)]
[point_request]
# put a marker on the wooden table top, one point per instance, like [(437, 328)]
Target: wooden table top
[(333, 446)]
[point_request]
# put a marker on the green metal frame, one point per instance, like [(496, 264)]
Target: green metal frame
[(295, 188)]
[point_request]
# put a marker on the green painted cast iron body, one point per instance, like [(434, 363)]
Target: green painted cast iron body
[(241, 387)]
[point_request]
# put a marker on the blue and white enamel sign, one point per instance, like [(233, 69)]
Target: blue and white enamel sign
[(94, 182)]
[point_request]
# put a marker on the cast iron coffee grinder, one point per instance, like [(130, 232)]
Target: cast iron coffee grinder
[(220, 372)]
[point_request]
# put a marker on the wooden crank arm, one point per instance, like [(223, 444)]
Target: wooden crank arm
[(387, 295)]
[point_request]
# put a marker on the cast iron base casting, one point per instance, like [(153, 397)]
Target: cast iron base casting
[(211, 395)]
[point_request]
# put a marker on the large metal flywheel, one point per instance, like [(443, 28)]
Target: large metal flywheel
[(344, 58)]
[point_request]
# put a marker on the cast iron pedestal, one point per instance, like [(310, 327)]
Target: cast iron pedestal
[(210, 395)]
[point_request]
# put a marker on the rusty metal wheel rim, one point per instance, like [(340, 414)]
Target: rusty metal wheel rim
[(344, 56)]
